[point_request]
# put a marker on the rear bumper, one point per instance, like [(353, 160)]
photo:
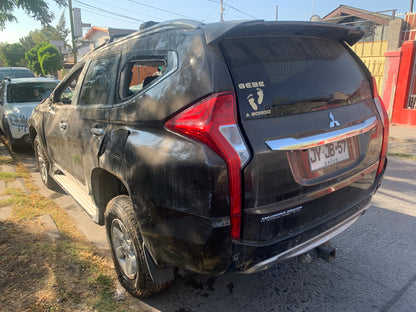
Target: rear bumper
[(255, 257), (307, 245), (216, 253)]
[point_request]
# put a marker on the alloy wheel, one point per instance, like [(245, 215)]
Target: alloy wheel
[(124, 249)]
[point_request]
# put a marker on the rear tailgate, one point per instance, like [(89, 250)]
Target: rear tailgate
[(308, 114)]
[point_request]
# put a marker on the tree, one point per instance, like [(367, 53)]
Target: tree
[(37, 9), (33, 59), (50, 59), (44, 59), (61, 27), (12, 54), (46, 34)]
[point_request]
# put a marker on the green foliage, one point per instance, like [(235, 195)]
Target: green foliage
[(44, 59), (33, 59), (37, 9), (50, 59), (12, 54), (46, 34)]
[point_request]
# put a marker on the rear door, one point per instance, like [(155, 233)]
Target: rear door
[(307, 111)]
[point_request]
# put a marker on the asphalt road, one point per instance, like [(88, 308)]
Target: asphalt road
[(375, 269)]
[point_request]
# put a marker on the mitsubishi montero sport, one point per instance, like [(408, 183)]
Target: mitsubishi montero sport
[(216, 147)]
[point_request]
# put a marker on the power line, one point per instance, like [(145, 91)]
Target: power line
[(238, 10), (162, 10), (111, 17), (212, 10), (106, 11), (115, 7)]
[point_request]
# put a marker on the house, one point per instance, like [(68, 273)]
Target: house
[(375, 24), (388, 49), (96, 36)]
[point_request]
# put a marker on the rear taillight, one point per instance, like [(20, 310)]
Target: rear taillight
[(213, 121), (385, 119)]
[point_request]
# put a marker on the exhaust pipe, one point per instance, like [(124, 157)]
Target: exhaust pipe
[(324, 251)]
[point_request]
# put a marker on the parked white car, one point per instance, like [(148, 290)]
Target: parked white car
[(15, 72), (18, 98)]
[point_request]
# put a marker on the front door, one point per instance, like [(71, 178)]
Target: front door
[(89, 118), (56, 121)]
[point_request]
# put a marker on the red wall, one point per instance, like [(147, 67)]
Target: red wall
[(402, 115), (391, 73)]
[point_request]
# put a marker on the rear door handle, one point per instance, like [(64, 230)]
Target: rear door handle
[(96, 132), (62, 125)]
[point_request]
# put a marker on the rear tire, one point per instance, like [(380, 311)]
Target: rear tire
[(127, 248), (43, 164)]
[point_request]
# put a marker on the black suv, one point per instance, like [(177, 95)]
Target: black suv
[(218, 147)]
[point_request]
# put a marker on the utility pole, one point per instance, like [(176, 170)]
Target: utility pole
[(222, 12), (277, 7), (71, 19), (411, 6), (313, 7)]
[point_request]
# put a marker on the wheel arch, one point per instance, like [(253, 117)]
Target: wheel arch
[(105, 186), (32, 133)]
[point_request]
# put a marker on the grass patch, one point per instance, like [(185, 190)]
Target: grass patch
[(106, 301), (5, 160), (8, 176), (402, 155), (67, 275)]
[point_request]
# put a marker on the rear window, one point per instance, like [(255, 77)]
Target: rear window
[(277, 76), (29, 92)]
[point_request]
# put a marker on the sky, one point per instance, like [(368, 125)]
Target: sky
[(129, 14)]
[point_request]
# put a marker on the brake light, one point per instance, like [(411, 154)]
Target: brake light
[(213, 121), (385, 119)]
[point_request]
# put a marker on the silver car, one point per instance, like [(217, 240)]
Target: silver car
[(18, 98)]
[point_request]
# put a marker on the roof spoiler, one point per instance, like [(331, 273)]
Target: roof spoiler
[(218, 31)]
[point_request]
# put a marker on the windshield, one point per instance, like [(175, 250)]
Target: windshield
[(29, 92), (16, 73)]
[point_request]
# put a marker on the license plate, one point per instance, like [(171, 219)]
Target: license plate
[(328, 154)]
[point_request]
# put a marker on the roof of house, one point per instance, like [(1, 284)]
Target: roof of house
[(343, 12), (110, 31)]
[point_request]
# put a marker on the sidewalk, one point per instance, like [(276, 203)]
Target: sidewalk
[(402, 140)]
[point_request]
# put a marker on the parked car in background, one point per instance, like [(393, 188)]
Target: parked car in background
[(216, 148), (15, 72), (18, 98)]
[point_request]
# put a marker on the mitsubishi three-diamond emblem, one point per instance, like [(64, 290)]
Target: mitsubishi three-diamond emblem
[(332, 121)]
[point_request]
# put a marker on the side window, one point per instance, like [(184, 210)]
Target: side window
[(98, 81), (138, 74), (65, 92)]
